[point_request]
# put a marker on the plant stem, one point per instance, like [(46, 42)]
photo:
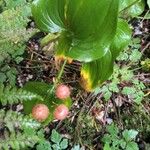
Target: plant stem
[(58, 77), (48, 38)]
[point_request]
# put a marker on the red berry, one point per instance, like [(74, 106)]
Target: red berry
[(61, 112), (62, 91), (40, 112)]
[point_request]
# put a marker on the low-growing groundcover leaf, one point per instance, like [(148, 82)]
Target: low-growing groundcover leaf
[(115, 140), (57, 142)]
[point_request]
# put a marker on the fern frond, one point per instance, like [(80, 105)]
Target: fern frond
[(13, 119), (13, 32), (18, 141), (13, 95)]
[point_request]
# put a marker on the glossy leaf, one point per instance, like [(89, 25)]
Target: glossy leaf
[(85, 38), (132, 8), (96, 72), (148, 3), (48, 99), (122, 38), (49, 14)]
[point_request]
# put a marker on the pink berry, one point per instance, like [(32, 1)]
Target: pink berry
[(40, 112), (62, 91), (61, 112)]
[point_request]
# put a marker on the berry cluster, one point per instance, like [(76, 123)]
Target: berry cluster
[(40, 112)]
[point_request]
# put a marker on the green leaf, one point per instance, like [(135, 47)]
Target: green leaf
[(15, 119), (129, 135), (107, 147), (85, 38), (113, 130), (107, 95), (132, 8), (64, 144), (128, 90), (13, 31), (14, 3), (56, 137), (122, 38), (56, 147), (148, 2), (113, 87), (76, 147), (45, 145), (2, 77), (126, 74), (96, 72), (48, 14), (107, 138), (122, 143), (135, 56), (132, 146)]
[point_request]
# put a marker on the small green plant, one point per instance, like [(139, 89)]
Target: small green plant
[(57, 142), (14, 34), (19, 131), (123, 79), (133, 90), (114, 140), (13, 95), (146, 64)]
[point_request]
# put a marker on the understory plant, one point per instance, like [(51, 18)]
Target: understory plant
[(22, 130), (18, 131), (14, 34), (114, 140), (92, 32)]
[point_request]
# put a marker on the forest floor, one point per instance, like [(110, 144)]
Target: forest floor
[(116, 101)]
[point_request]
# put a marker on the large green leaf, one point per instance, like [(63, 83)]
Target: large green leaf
[(148, 3), (85, 51), (96, 72), (132, 8), (49, 14), (89, 26), (122, 38)]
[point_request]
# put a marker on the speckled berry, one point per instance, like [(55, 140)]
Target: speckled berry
[(61, 112), (62, 91), (40, 112)]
